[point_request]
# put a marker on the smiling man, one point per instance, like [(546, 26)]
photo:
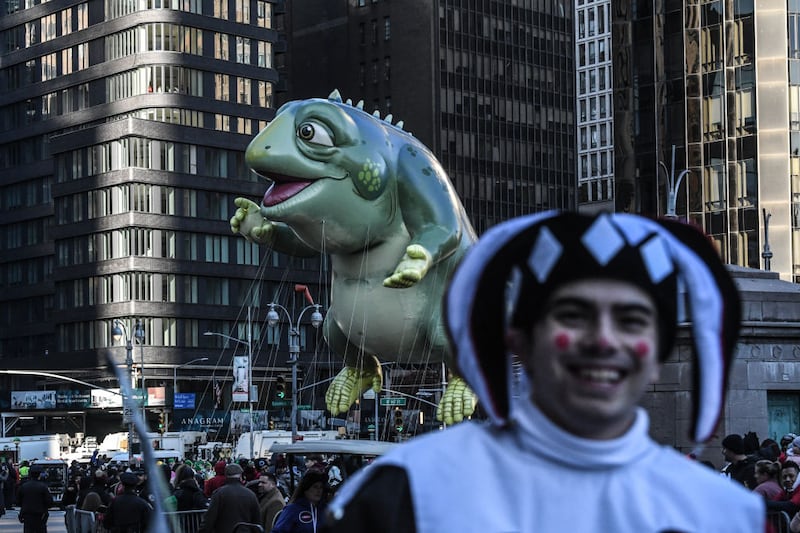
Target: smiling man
[(588, 307), (591, 355)]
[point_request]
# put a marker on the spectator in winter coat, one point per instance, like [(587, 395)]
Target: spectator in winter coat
[(270, 499), (230, 504), (34, 501), (98, 486), (767, 473), (128, 512), (306, 508), (188, 495), (217, 481), (10, 486), (788, 500), (3, 481), (741, 467)]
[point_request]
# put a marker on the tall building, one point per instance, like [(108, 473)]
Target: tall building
[(595, 116), (121, 151), (720, 81), (123, 126), (489, 86)]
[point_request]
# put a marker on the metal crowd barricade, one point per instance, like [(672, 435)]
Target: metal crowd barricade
[(247, 527), (85, 521), (186, 521), (779, 520), (69, 518)]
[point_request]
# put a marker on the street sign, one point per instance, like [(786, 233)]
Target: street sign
[(127, 415), (393, 401), (183, 400), (281, 403), (303, 407)]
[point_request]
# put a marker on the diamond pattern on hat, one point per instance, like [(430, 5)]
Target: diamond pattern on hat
[(603, 240), (634, 231), (544, 255), (656, 259), (512, 291)]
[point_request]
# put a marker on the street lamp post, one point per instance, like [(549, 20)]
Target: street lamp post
[(175, 375), (294, 341), (118, 332), (249, 344), (138, 334), (175, 380), (672, 186)]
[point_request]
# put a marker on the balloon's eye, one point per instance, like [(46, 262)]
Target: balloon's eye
[(314, 133)]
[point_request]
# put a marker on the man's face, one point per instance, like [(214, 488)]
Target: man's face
[(265, 484), (788, 477), (592, 356)]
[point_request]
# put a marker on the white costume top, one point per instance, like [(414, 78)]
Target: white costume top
[(534, 477)]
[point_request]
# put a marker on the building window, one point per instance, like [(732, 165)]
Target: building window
[(243, 11), (243, 50), (221, 46)]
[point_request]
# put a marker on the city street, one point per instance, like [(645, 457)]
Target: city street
[(10, 524)]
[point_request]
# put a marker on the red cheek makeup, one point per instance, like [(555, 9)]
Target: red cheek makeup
[(642, 349), (561, 341)]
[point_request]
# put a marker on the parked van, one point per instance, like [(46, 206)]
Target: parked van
[(57, 477)]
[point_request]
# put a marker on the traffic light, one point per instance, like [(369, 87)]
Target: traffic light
[(280, 387), (398, 419), (161, 423), (271, 424)]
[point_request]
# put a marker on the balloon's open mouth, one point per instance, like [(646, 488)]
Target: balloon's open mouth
[(281, 191)]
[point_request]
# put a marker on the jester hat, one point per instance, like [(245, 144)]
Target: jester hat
[(506, 277)]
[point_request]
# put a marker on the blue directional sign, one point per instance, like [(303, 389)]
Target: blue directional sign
[(183, 400)]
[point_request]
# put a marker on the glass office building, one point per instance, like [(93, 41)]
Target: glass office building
[(720, 81), (123, 126)]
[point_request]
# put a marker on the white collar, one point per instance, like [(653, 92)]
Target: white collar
[(538, 434)]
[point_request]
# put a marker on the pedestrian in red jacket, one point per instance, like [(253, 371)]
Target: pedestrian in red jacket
[(217, 481)]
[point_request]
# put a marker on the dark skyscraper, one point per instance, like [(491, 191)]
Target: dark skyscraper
[(123, 126), (488, 86)]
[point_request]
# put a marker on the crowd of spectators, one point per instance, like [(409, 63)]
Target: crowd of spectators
[(768, 468), (220, 495)]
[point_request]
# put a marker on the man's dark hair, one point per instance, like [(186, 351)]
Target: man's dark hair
[(791, 464)]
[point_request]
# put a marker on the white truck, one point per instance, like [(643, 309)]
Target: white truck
[(263, 440), (31, 447), (185, 442)]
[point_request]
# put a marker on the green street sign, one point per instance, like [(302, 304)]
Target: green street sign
[(393, 401), (281, 403), (304, 407)]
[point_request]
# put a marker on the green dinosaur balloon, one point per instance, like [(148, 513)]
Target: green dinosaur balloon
[(359, 188)]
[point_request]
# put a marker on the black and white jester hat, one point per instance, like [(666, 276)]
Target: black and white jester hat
[(505, 278)]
